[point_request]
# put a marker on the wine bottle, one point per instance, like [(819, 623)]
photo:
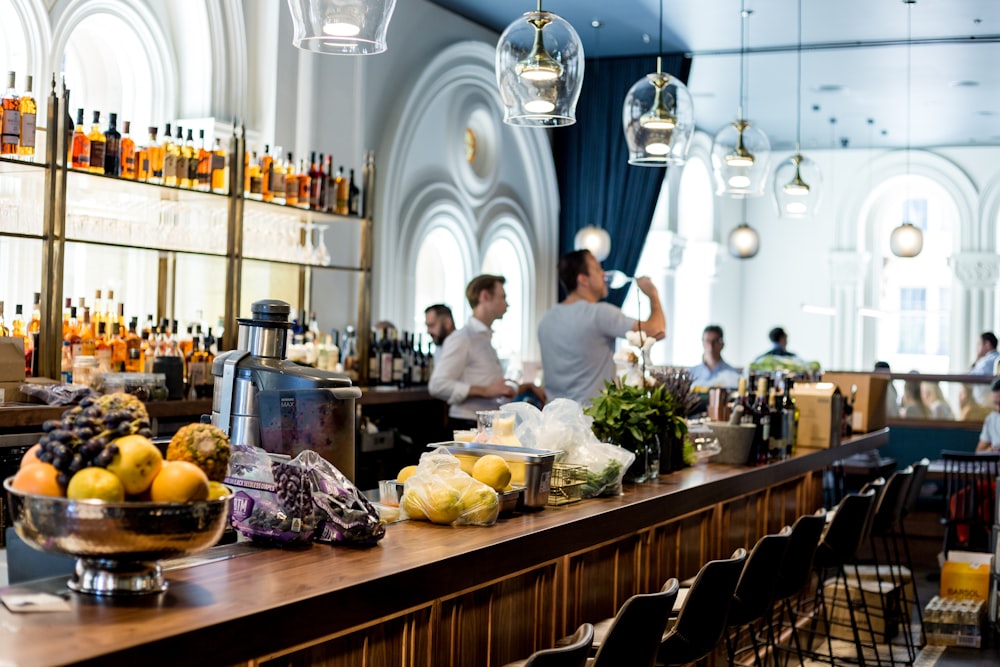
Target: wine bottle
[(762, 426), (791, 417)]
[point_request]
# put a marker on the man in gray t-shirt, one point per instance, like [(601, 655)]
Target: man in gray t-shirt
[(577, 336)]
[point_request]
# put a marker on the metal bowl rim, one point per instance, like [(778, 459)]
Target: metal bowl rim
[(94, 502)]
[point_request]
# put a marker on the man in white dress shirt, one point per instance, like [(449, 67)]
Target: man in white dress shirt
[(467, 373)]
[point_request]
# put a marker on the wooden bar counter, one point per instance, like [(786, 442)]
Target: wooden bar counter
[(431, 595)]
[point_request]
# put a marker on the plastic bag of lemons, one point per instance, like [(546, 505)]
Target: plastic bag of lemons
[(440, 492)]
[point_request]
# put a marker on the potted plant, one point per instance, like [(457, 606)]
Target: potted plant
[(634, 418)]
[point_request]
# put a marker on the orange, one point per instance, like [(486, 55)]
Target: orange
[(179, 482), (31, 456), (39, 479)]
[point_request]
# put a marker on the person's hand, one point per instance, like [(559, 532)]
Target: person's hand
[(646, 286), (537, 391), (500, 389)]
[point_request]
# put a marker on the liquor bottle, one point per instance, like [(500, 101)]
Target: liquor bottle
[(17, 325), (277, 183), (113, 148), (291, 183), (343, 193), (128, 156), (171, 152), (11, 125), (354, 197), (185, 342), (777, 445), (187, 166), (204, 169), (315, 185), (81, 145), (4, 331), (157, 156), (195, 369), (29, 114), (102, 349), (254, 178), (305, 185), (416, 360), (385, 359), (320, 186), (88, 338), (119, 348), (72, 336), (266, 168), (66, 315), (134, 362), (398, 360), (98, 143), (97, 310), (762, 426), (328, 191), (791, 411), (35, 324), (219, 168)]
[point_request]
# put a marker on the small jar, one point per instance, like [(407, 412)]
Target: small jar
[(85, 370)]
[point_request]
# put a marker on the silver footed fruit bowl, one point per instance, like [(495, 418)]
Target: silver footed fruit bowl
[(117, 546)]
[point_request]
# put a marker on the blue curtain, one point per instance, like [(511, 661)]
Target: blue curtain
[(597, 185)]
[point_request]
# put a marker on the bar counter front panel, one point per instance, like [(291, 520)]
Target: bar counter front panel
[(432, 595)]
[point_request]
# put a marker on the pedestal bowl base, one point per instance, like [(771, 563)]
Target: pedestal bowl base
[(99, 576)]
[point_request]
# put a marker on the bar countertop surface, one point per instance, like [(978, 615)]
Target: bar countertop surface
[(236, 609)]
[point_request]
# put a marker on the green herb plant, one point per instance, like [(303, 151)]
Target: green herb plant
[(624, 413)]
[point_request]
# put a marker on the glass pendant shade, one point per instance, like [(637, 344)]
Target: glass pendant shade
[(797, 182), (658, 119), (906, 240), (594, 239), (744, 242), (741, 154), (539, 67), (342, 27)]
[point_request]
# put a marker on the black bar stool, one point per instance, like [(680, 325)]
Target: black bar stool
[(573, 654), (633, 636)]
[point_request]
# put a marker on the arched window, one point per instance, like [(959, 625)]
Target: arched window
[(13, 47), (503, 258), (692, 296), (914, 294), (439, 278)]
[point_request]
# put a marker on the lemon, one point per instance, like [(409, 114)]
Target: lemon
[(217, 490), (492, 471), (444, 504), (481, 505), (406, 473), (412, 506), (96, 483)]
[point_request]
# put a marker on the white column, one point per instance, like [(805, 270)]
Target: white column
[(848, 269), (974, 299)]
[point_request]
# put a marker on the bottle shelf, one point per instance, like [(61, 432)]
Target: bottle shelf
[(13, 165), (142, 246)]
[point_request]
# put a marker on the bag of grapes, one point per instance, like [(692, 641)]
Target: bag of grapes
[(345, 515), (272, 500)]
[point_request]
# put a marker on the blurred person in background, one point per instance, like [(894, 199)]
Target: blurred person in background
[(985, 364), (779, 344), (989, 438), (969, 410), (891, 397), (912, 406), (937, 407), (440, 324), (713, 371)]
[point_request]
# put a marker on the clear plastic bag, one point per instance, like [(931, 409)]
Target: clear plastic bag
[(441, 492), (562, 426)]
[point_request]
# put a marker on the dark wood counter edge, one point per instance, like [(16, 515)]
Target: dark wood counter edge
[(384, 396), (265, 601)]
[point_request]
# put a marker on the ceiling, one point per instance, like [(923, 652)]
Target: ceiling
[(854, 63)]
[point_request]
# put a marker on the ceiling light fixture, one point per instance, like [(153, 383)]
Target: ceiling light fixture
[(594, 239), (341, 27), (796, 180), (907, 240), (741, 150), (744, 241), (539, 68), (658, 117)]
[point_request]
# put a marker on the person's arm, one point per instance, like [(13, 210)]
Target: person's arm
[(656, 325), (446, 380), (985, 443), (984, 446)]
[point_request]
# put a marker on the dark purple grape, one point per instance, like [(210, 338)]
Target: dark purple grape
[(104, 459), (76, 463), (145, 432), (63, 478), (125, 428), (50, 424)]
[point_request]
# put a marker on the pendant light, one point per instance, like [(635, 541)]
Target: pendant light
[(907, 240), (539, 67), (797, 179), (741, 151), (341, 27), (744, 241), (594, 239), (658, 117)]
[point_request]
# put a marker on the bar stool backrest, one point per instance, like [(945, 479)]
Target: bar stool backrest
[(889, 507), (847, 531), (702, 619), (970, 496), (574, 654), (755, 590), (636, 632), (797, 564), (916, 483)]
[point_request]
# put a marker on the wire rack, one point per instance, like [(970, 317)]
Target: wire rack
[(567, 483)]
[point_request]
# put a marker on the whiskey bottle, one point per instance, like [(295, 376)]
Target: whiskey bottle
[(343, 193), (102, 349), (291, 183), (253, 177), (188, 175), (154, 158), (204, 170), (11, 125), (112, 148), (354, 197), (88, 338), (305, 185), (98, 142), (266, 168), (81, 145), (134, 361), (97, 310), (4, 331), (29, 114), (171, 152), (119, 349), (35, 324), (128, 156), (218, 168)]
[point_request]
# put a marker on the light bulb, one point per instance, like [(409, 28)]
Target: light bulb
[(594, 239), (341, 29), (657, 148), (539, 106), (739, 181), (744, 242)]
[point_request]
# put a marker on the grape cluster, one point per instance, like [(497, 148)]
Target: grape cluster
[(293, 489), (83, 436)]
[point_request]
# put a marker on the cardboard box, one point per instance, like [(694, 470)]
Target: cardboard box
[(882, 602), (11, 359), (819, 406), (966, 576), (898, 574), (869, 401), (950, 622)]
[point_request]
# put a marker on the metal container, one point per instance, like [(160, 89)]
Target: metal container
[(530, 468)]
